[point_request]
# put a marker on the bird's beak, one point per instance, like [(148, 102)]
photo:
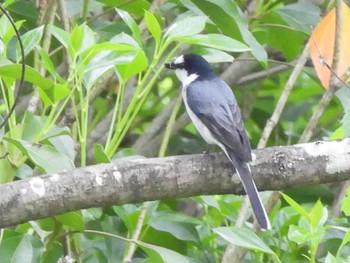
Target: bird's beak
[(170, 65)]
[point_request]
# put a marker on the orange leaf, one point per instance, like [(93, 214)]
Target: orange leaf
[(324, 35)]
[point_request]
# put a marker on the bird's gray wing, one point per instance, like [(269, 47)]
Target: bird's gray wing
[(215, 105)]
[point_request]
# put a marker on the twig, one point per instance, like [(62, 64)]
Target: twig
[(47, 17), (334, 81), (262, 74), (272, 122), (137, 233), (142, 216)]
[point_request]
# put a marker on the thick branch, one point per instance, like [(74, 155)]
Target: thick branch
[(137, 180)]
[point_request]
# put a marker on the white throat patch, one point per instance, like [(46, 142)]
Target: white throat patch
[(184, 78)]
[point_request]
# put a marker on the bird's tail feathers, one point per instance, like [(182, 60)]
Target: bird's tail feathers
[(243, 170)]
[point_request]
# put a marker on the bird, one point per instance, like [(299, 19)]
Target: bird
[(213, 109)]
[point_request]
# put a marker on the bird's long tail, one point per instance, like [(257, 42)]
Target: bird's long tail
[(244, 173)]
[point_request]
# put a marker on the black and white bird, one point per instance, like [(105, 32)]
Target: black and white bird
[(213, 109)]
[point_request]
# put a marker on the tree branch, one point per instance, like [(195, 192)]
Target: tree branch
[(138, 180)]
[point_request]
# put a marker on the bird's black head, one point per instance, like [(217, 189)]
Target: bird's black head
[(192, 64)]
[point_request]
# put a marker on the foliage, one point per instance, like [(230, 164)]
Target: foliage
[(108, 68)]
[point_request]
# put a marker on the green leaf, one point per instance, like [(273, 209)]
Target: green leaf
[(182, 231), (72, 221), (49, 91), (33, 124), (100, 155), (8, 170), (346, 123), (216, 41), (21, 248), (343, 94), (224, 13), (186, 27), (129, 214), (44, 156), (345, 207), (81, 38), (49, 66), (210, 200), (76, 38), (300, 16), (135, 63), (124, 52), (167, 255), (134, 67), (282, 37), (6, 29), (296, 206), (91, 52), (8, 2), (317, 216), (337, 134), (298, 234), (214, 55), (64, 144), (30, 40), (243, 237), (330, 258), (345, 240), (135, 7), (174, 217), (153, 26), (132, 25), (61, 35)]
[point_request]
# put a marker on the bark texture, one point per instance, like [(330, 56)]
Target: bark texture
[(138, 180)]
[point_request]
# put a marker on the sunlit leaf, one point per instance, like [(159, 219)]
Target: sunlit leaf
[(76, 37), (186, 27), (301, 210), (346, 203), (6, 30), (30, 40), (61, 35), (153, 25), (137, 61), (323, 39), (81, 38), (318, 215), (131, 24), (50, 91), (135, 7), (91, 52), (216, 41), (224, 13)]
